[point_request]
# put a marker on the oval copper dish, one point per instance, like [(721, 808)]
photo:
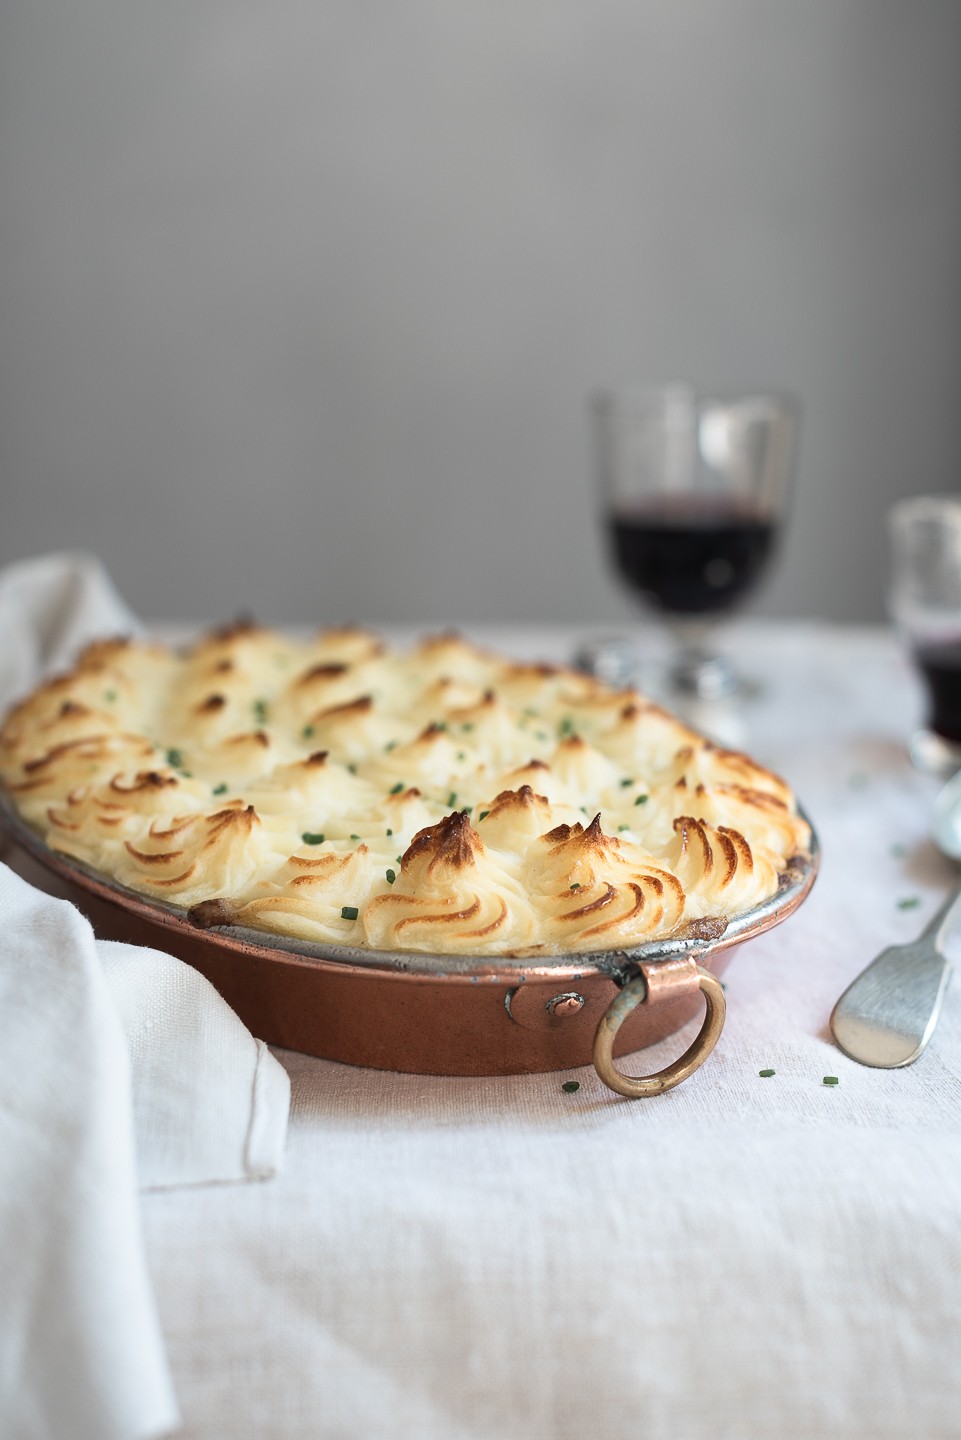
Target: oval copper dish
[(405, 1011)]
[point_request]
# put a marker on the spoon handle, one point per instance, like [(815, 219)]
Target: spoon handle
[(936, 924), (887, 1015)]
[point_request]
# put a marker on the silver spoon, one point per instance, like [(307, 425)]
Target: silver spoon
[(886, 1017)]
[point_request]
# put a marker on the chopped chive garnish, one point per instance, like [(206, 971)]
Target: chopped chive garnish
[(452, 799), (910, 902), (400, 860), (571, 1085), (622, 828), (307, 731), (355, 837), (626, 781), (391, 745), (348, 912), (566, 727), (187, 774), (175, 758), (110, 695), (462, 754), (260, 711), (313, 837), (396, 789), (221, 789), (467, 809), (765, 1073), (483, 816), (575, 885), (540, 734), (641, 800), (829, 1080), (391, 877), (467, 725), (352, 768), (390, 832)]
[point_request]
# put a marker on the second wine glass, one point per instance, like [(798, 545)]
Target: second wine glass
[(694, 492)]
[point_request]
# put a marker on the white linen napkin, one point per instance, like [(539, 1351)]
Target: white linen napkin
[(49, 608), (81, 1353), (119, 1067)]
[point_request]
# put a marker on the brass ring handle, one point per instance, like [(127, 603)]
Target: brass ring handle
[(634, 994)]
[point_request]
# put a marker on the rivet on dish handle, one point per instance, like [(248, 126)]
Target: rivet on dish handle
[(660, 980)]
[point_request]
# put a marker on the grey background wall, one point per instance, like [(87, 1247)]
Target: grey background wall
[(301, 302)]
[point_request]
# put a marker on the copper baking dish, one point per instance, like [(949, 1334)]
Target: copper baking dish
[(432, 1014)]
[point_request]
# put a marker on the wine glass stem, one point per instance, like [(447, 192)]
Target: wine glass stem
[(698, 669)]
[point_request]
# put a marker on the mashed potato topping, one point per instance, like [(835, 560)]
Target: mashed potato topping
[(442, 799)]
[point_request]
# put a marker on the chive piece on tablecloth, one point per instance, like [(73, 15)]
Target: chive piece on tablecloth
[(909, 902), (571, 1085), (349, 912), (313, 837), (829, 1080), (765, 1074)]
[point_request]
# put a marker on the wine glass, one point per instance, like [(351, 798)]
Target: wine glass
[(694, 489), (924, 600)]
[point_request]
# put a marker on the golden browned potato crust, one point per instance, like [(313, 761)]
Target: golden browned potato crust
[(442, 799)]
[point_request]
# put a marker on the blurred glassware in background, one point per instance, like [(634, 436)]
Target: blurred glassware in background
[(694, 489), (925, 603)]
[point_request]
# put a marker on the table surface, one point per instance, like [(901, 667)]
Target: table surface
[(744, 1256)]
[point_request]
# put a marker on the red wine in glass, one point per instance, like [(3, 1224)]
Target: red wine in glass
[(691, 555), (940, 664)]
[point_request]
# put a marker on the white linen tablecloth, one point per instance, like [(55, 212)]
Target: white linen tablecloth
[(759, 1259)]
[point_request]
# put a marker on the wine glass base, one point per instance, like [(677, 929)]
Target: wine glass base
[(699, 675)]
